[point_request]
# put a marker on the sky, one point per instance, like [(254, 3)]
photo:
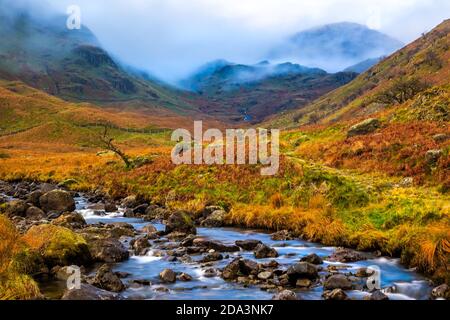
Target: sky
[(170, 38)]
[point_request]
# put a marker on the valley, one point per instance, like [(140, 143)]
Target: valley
[(364, 166)]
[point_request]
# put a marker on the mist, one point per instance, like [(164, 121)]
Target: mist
[(172, 38)]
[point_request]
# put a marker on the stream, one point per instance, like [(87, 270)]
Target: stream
[(397, 282)]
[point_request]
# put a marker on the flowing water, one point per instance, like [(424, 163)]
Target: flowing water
[(397, 282)]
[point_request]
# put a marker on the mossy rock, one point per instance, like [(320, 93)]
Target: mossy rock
[(58, 245)]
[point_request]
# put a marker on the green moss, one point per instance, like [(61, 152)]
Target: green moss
[(58, 245)]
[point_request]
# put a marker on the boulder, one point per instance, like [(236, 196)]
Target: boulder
[(88, 293), (365, 127), (34, 197), (248, 245), (16, 208), (346, 255), (303, 283), (140, 246), (140, 210), (130, 202), (378, 296), (240, 267), (211, 257), (155, 212), (432, 157), (185, 277), (108, 250), (58, 246), (214, 245), (58, 201), (181, 222), (149, 229), (168, 276), (283, 235), (262, 251), (107, 280), (110, 207), (70, 220), (336, 294), (265, 275), (337, 281), (285, 295), (313, 259), (215, 219), (441, 292), (441, 137), (35, 214), (301, 270)]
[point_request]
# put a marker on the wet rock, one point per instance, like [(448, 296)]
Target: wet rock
[(108, 250), (337, 281), (184, 277), (378, 296), (239, 267), (149, 229), (88, 293), (142, 282), (168, 276), (58, 201), (181, 222), (188, 241), (210, 273), (347, 255), (122, 274), (120, 229), (70, 220), (336, 294), (362, 273), (303, 283), (110, 207), (34, 197), (432, 157), (140, 210), (211, 257), (107, 280), (248, 245), (301, 270), (35, 214), (285, 295), (16, 208), (214, 245), (441, 292), (365, 127), (47, 187), (215, 219), (176, 236), (262, 251), (265, 275), (283, 235), (130, 202), (58, 246), (313, 259), (154, 212), (140, 246)]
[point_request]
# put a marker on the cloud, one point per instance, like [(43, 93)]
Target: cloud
[(170, 38)]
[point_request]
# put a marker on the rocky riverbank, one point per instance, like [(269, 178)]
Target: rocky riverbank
[(59, 236)]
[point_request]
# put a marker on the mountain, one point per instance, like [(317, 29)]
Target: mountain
[(72, 65), (416, 76), (363, 66), (250, 93), (334, 47)]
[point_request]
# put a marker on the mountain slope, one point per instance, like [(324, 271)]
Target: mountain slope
[(335, 47), (71, 64), (400, 80), (250, 93)]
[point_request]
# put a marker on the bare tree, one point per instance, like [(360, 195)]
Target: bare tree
[(107, 143)]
